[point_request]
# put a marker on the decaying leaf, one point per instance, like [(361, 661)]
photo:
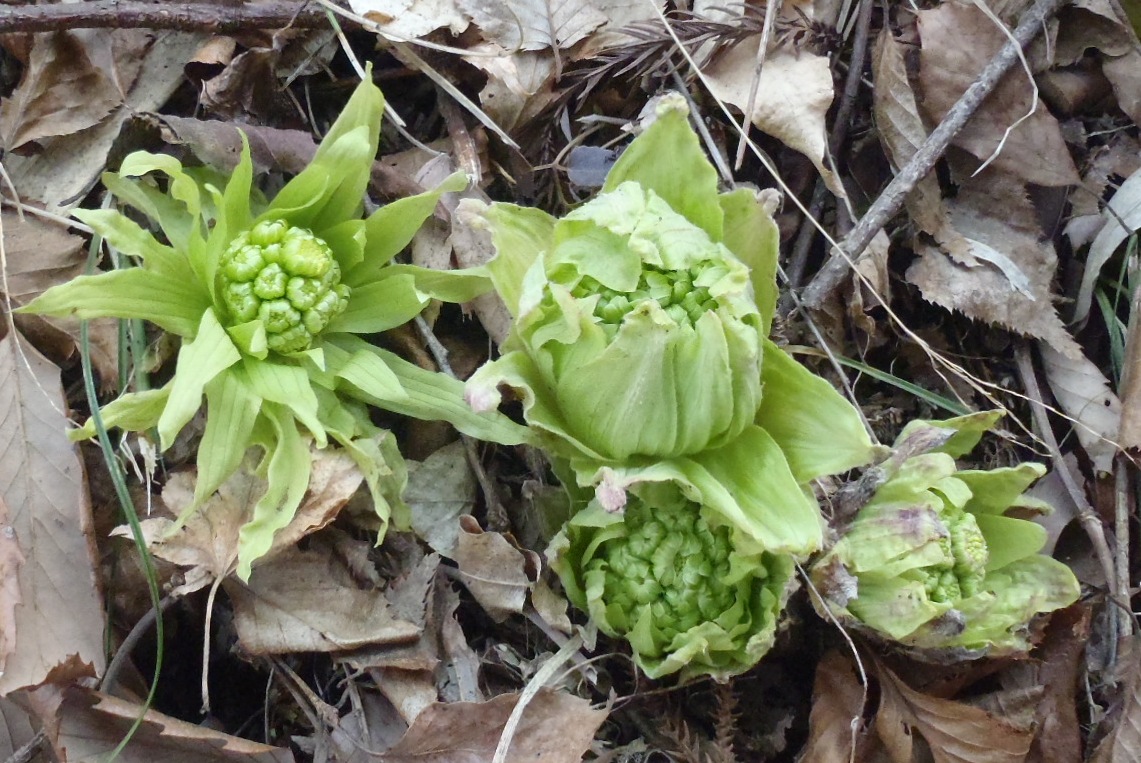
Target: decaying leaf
[(87, 725), (411, 19), (308, 601), (1083, 393), (57, 626), (1012, 286), (440, 489), (497, 572), (534, 24), (16, 728), (40, 254), (70, 164), (519, 85), (1121, 219), (208, 542), (556, 728), (1061, 662), (792, 99), (835, 724), (958, 41)]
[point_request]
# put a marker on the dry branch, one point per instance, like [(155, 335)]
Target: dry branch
[(201, 17), (891, 200)]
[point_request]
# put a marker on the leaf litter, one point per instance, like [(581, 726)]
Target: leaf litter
[(426, 647)]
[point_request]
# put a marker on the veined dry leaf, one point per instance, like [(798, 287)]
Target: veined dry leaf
[(208, 542), (41, 254), (556, 727), (1013, 288), (534, 24), (58, 622), (792, 99), (955, 732), (1083, 393), (958, 41), (74, 78), (11, 560), (497, 572), (86, 725), (411, 19), (69, 165), (1061, 662), (308, 601), (1124, 739), (1097, 24)]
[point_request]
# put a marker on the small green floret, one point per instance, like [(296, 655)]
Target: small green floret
[(286, 277)]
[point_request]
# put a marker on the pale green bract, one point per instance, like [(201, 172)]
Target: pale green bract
[(639, 345), (690, 592), (267, 298), (933, 561)]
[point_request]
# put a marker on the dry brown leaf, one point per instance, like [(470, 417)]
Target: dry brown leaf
[(372, 725), (1123, 743), (208, 542), (411, 19), (69, 165), (792, 99), (902, 132), (958, 41), (556, 728), (1129, 388), (534, 24), (73, 80), (59, 622), (85, 726), (308, 601), (1087, 24), (1121, 219), (519, 85), (1083, 393), (1013, 287), (955, 732), (497, 572), (11, 560), (1060, 656), (40, 254), (472, 245), (837, 709)]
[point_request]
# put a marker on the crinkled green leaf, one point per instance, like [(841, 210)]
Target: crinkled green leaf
[(898, 606), (288, 386), (521, 236), (172, 217), (1011, 597), (129, 238), (968, 430), (199, 362), (995, 490), (667, 159), (448, 285), (172, 304), (182, 185), (819, 431)]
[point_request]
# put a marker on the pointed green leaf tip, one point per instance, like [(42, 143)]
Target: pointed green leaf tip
[(932, 561)]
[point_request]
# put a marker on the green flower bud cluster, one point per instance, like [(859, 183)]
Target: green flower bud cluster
[(286, 277), (670, 568), (683, 294), (965, 550)]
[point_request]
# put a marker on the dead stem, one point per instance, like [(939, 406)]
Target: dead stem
[(188, 17)]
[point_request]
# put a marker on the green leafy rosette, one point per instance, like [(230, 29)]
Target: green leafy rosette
[(639, 342), (268, 297), (933, 560), (689, 591)]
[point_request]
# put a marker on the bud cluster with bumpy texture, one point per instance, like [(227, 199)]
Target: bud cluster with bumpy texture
[(683, 294), (286, 277), (672, 566), (966, 550)]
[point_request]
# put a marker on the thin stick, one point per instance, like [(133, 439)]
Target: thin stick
[(1090, 522), (891, 200), (197, 17)]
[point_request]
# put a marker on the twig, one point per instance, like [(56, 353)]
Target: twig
[(1089, 520), (891, 200), (1123, 510), (188, 17), (29, 750)]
